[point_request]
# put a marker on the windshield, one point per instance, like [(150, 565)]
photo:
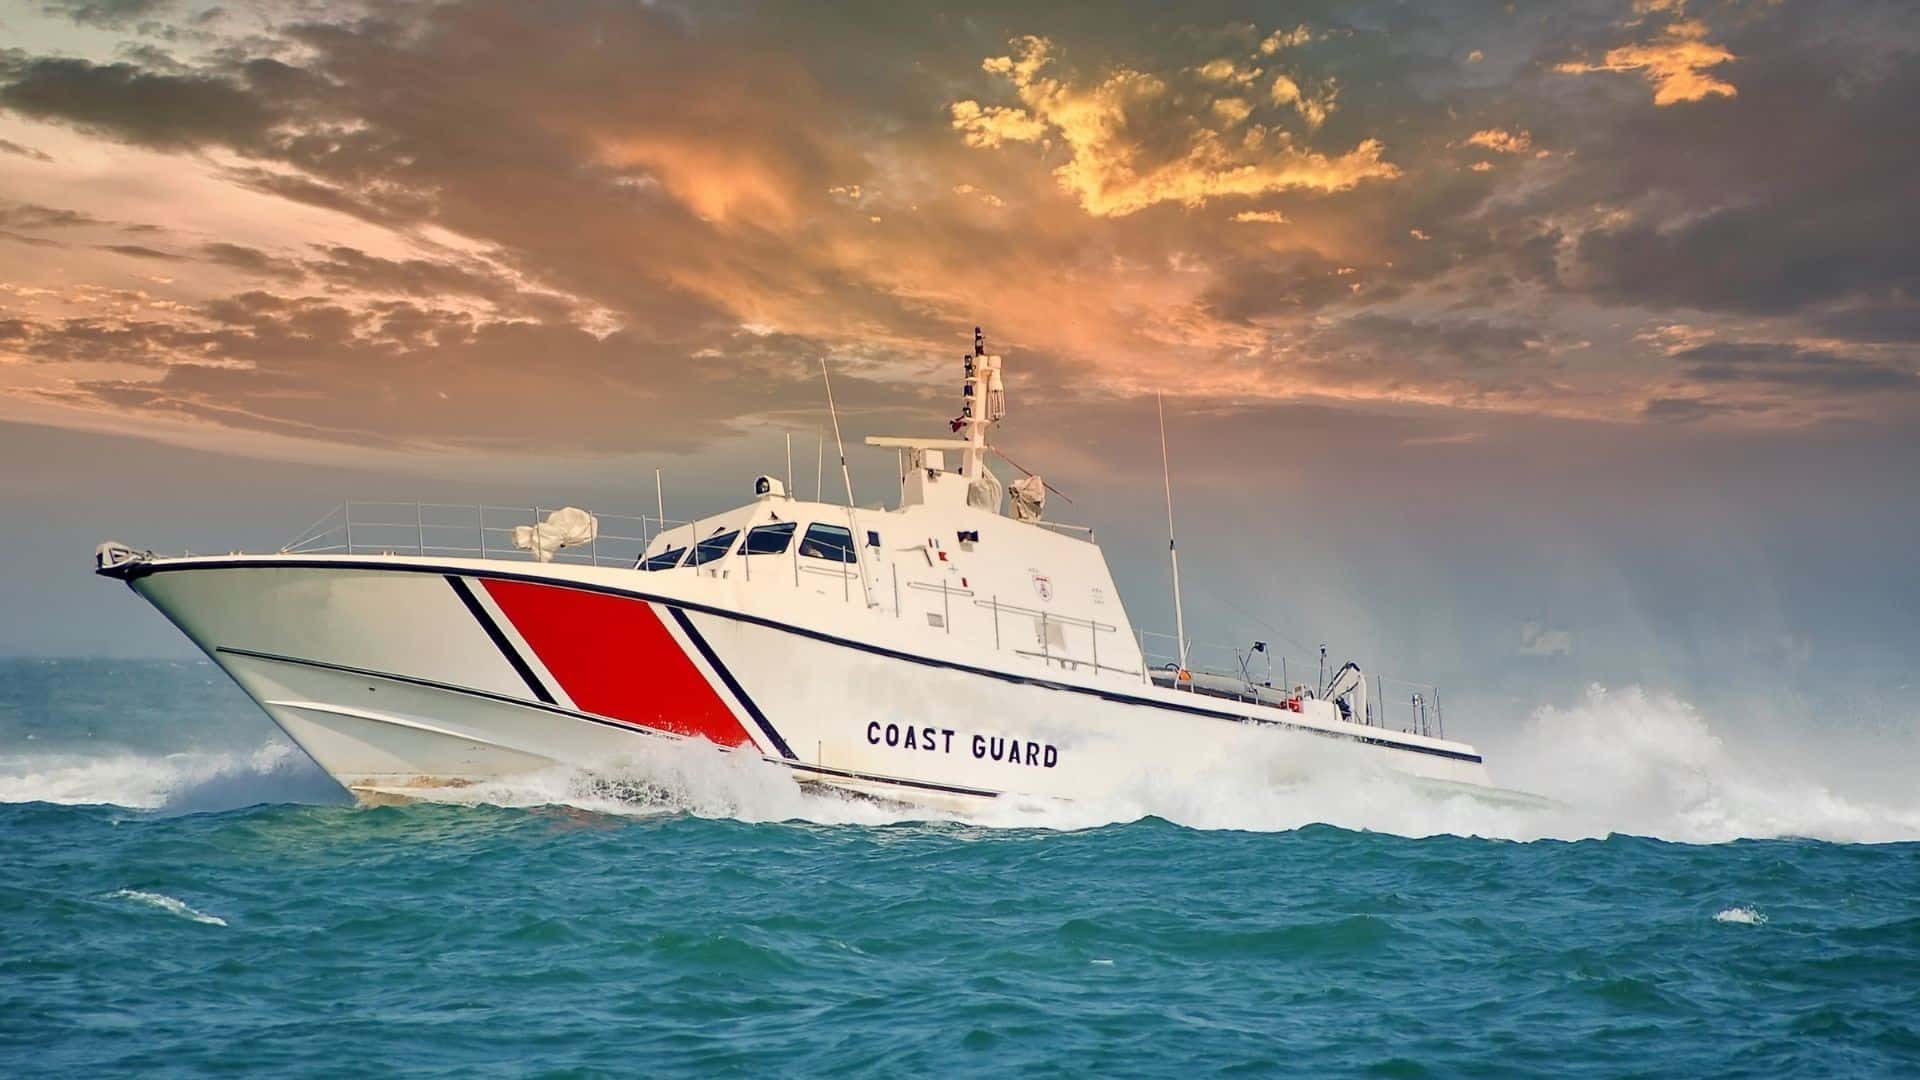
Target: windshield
[(714, 548), (666, 560)]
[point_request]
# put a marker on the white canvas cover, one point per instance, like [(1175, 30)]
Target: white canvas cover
[(566, 527), (1029, 498)]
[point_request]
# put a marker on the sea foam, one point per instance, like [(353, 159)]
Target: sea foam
[(170, 905)]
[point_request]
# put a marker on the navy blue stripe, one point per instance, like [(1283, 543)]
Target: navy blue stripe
[(500, 639), (733, 684), (878, 650)]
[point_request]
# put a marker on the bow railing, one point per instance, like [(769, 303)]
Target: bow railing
[(467, 530)]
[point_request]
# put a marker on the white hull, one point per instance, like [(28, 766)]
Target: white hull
[(400, 673)]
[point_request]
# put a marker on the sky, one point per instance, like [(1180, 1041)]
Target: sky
[(1518, 345)]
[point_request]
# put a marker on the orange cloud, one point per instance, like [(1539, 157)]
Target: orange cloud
[(1313, 108), (1676, 63), (1503, 142), (987, 127), (1132, 144)]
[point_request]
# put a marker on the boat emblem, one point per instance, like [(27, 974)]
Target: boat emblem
[(1043, 585)]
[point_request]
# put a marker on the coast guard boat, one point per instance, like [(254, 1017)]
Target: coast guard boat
[(955, 648)]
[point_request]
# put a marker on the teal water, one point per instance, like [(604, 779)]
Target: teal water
[(183, 894)]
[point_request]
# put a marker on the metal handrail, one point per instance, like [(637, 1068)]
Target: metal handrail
[(377, 526), (1065, 529), (1421, 705)]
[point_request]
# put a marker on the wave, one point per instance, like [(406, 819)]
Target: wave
[(183, 782), (1650, 764), (170, 905), (1626, 761), (1743, 916)]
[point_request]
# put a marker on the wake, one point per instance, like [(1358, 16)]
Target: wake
[(1623, 761)]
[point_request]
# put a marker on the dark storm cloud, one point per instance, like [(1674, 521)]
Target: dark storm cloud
[(131, 103), (1894, 321), (1796, 192), (1791, 366), (1467, 205)]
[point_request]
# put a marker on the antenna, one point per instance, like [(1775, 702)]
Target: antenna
[(1173, 551), (853, 528), (819, 461), (790, 465), (659, 500)]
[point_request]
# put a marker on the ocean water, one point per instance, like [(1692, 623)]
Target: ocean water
[(181, 892)]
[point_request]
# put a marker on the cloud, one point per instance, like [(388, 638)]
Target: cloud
[(1227, 71), (127, 102), (1285, 39), (9, 147), (640, 183), (1788, 365), (141, 251), (1677, 63), (1313, 108), (107, 14), (251, 260), (1501, 141), (35, 216), (1131, 144), (989, 127), (1684, 410)]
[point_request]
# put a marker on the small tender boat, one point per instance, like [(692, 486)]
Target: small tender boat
[(946, 650)]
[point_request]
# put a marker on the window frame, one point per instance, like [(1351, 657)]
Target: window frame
[(849, 553), (729, 537), (788, 530), (647, 561)]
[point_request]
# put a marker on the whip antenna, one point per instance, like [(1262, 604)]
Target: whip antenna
[(1173, 551), (853, 528)]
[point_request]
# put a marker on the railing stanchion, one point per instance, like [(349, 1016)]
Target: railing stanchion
[(895, 567), (419, 530), (480, 518), (994, 602), (349, 512)]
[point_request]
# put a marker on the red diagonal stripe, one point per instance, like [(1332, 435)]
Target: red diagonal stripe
[(614, 656)]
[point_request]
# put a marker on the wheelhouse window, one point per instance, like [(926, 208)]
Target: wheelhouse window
[(714, 548), (666, 560), (769, 539), (830, 542)]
